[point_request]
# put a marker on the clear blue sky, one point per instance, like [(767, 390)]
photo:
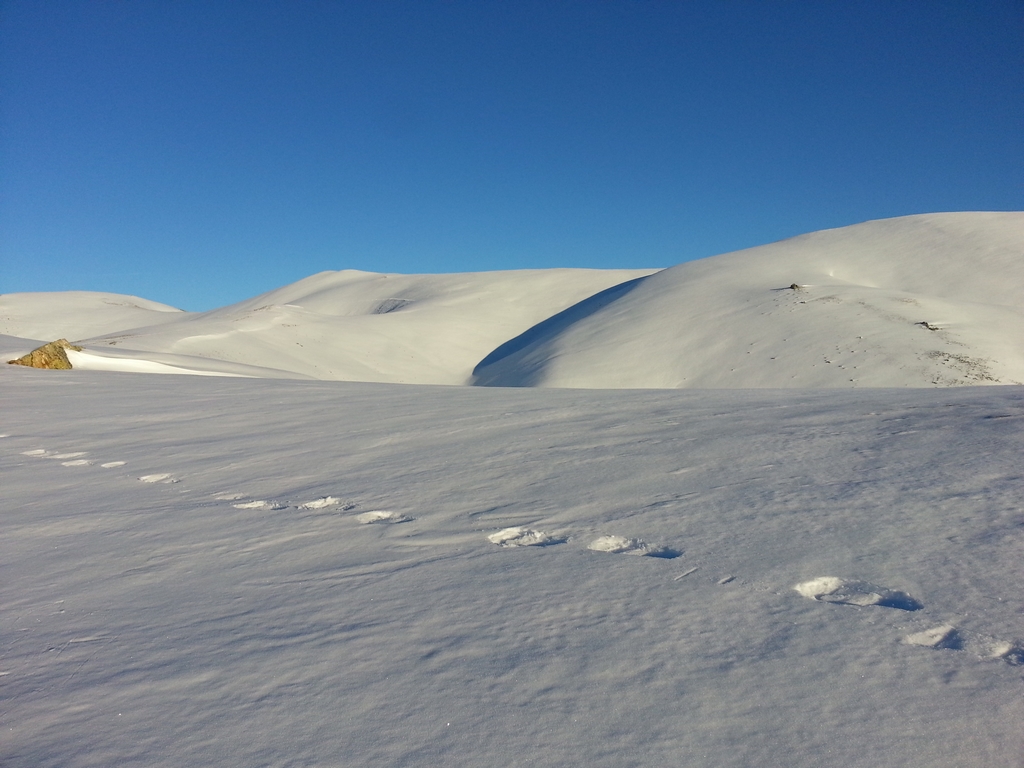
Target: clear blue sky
[(198, 152)]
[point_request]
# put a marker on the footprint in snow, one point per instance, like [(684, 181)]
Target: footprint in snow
[(162, 477), (381, 516), (42, 453), (519, 536), (259, 504), (72, 457), (944, 636), (619, 545), (326, 502), (832, 589), (948, 637)]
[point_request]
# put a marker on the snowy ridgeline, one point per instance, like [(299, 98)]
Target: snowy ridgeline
[(233, 572), (932, 300)]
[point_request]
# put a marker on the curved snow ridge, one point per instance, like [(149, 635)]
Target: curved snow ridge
[(922, 301)]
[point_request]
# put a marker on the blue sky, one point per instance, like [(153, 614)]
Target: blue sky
[(201, 152)]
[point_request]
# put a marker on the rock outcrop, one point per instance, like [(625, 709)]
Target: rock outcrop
[(51, 356)]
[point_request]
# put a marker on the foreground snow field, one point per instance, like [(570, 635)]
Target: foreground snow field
[(237, 572)]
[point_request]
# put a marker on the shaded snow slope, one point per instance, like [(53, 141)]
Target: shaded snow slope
[(76, 315), (235, 572), (929, 300), (364, 326)]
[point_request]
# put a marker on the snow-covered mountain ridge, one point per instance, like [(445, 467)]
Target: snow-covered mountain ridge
[(918, 301)]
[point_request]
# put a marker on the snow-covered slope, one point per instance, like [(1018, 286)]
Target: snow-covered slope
[(236, 572), (929, 300), (918, 301), (363, 326), (78, 314)]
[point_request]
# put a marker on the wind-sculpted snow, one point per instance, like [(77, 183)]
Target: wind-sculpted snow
[(237, 572), (931, 300)]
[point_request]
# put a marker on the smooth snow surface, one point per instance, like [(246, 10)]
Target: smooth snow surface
[(76, 315), (187, 576), (89, 361), (919, 301), (363, 326)]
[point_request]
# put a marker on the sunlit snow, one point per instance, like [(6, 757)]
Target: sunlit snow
[(275, 570)]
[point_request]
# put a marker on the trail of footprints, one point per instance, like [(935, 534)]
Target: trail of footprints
[(73, 459), (832, 589), (376, 516), (825, 589)]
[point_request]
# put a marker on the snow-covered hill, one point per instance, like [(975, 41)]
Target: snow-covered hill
[(931, 300), (362, 326), (78, 314), (918, 301)]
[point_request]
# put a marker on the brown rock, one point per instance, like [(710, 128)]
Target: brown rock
[(50, 356)]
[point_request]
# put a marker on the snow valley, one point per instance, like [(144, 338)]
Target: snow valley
[(753, 562)]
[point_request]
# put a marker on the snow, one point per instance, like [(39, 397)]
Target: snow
[(78, 314), (518, 536), (917, 301), (155, 619), (267, 569), (930, 300), (359, 326), (89, 361)]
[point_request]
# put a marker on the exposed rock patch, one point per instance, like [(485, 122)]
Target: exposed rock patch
[(51, 356)]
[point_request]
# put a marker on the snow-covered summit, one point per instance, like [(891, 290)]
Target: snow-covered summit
[(929, 300)]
